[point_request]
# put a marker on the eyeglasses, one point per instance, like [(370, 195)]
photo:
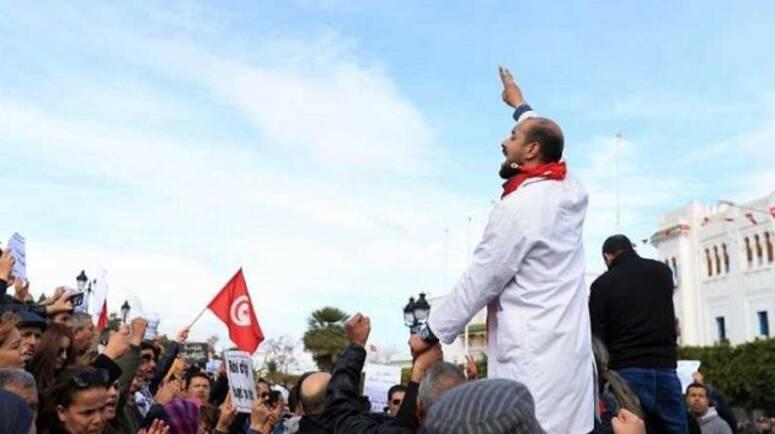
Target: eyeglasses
[(396, 402), (91, 377)]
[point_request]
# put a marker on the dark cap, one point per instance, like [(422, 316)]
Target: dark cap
[(29, 319), (495, 406)]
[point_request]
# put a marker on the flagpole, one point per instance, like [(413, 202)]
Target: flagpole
[(198, 316)]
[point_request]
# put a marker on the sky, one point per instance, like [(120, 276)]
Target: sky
[(345, 153)]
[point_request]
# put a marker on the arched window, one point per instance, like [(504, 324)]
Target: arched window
[(768, 244), (759, 251), (708, 262), (718, 260), (726, 257), (748, 252)]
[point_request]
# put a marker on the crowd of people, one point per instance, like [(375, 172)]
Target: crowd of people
[(561, 359)]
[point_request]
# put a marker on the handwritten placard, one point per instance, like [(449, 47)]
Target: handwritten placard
[(18, 251), (239, 370), (377, 381)]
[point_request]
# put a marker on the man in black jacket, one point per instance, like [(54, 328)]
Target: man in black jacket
[(632, 313), (344, 411)]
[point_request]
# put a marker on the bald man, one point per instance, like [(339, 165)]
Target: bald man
[(528, 271), (312, 396)]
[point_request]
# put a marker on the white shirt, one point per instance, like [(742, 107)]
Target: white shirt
[(529, 272)]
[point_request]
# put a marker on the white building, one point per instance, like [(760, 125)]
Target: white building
[(724, 266)]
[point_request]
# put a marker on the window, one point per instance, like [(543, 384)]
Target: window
[(726, 257), (764, 323), (718, 259), (721, 328), (708, 262), (748, 252), (759, 252), (675, 271), (768, 244)]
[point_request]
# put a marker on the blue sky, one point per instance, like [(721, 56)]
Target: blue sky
[(326, 145)]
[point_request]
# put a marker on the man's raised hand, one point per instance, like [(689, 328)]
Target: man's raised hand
[(423, 361), (358, 329), (118, 343), (511, 95)]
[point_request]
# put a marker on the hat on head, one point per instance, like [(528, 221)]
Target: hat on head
[(495, 406), (29, 319)]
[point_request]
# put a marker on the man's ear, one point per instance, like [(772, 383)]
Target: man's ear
[(534, 151), (61, 413)]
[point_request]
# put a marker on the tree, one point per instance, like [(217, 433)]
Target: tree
[(325, 337), (276, 357)]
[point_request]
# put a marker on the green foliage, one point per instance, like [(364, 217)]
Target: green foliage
[(745, 374), (325, 337)]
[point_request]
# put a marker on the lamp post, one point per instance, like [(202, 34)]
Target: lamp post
[(81, 281), (416, 313), (125, 308)]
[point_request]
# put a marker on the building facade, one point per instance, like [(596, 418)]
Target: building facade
[(724, 269)]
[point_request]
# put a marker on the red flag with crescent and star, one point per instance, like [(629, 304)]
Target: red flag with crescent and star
[(233, 306)]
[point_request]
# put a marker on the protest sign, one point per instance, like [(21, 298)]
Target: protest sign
[(239, 370), (685, 371), (377, 381), (195, 353), (152, 331), (17, 248)]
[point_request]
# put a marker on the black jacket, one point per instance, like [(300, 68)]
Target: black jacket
[(312, 425), (344, 414), (631, 308)]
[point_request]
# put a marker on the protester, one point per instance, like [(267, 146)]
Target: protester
[(698, 401), (528, 271), (197, 386), (54, 355), (17, 417), (84, 334), (717, 401), (31, 327), (395, 396), (632, 313), (75, 403), (312, 397), (21, 383), (10, 342), (494, 406), (614, 392)]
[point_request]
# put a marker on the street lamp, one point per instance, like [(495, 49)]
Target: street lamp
[(125, 310), (82, 279), (422, 309), (416, 313), (409, 313)]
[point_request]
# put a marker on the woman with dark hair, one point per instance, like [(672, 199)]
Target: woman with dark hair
[(10, 342), (54, 354), (75, 402)]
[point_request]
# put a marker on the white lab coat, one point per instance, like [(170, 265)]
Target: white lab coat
[(529, 272)]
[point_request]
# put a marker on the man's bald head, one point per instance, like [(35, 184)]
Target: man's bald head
[(312, 393), (549, 136)]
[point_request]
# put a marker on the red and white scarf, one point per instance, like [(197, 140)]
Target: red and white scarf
[(554, 170)]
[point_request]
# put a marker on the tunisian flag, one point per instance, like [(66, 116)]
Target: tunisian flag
[(233, 306)]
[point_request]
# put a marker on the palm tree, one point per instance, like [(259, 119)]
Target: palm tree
[(325, 337)]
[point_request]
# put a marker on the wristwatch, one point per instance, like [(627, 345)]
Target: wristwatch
[(426, 334)]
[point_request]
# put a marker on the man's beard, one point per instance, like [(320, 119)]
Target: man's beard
[(506, 171)]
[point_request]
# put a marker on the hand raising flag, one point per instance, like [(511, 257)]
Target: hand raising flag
[(234, 307)]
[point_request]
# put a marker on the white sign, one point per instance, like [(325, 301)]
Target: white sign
[(239, 370), (152, 331), (16, 245), (685, 372), (377, 382)]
